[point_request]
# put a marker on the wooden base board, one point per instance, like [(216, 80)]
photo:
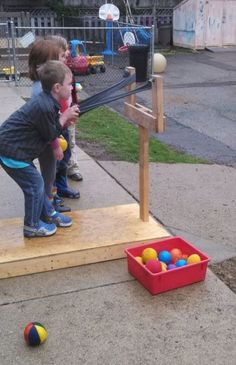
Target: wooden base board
[(96, 235)]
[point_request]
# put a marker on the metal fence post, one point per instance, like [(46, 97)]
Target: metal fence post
[(152, 48), (14, 51), (8, 46)]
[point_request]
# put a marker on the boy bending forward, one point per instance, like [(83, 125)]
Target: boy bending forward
[(24, 136)]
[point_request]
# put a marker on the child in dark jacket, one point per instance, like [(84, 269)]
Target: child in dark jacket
[(24, 136)]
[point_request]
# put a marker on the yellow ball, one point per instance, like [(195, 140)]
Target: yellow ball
[(139, 259), (193, 259), (63, 143), (159, 63), (149, 254)]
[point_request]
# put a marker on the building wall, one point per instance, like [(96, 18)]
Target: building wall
[(204, 23)]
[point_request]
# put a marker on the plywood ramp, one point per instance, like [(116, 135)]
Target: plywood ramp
[(96, 235)]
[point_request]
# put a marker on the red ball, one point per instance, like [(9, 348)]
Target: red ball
[(154, 266)]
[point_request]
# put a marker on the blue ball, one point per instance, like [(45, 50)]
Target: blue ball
[(165, 256), (180, 263)]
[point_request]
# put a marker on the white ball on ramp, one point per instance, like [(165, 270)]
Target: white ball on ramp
[(159, 63)]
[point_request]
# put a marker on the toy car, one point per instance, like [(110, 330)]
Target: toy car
[(9, 73), (96, 62), (78, 65)]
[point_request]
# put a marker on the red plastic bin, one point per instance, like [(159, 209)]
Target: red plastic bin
[(171, 279)]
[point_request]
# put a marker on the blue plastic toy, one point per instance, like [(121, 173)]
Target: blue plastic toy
[(77, 47)]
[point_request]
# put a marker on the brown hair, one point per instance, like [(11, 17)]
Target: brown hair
[(41, 52), (58, 40), (51, 73)]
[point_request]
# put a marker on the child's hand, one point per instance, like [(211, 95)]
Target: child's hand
[(69, 116), (58, 153)]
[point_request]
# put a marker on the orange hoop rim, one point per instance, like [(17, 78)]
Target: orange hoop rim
[(123, 49)]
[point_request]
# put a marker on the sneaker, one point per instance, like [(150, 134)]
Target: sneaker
[(59, 206), (69, 193), (58, 200), (43, 230), (76, 177), (60, 220), (62, 208)]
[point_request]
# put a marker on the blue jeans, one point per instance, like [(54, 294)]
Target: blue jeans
[(37, 205)]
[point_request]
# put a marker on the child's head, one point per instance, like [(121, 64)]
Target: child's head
[(61, 43), (56, 78), (41, 52)]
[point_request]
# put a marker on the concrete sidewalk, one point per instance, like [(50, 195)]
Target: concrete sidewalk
[(98, 314)]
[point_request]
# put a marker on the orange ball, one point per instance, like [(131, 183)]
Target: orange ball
[(176, 254)]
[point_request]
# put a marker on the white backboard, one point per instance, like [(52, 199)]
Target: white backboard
[(109, 12)]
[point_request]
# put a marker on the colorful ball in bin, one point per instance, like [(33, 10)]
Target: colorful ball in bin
[(171, 266), (149, 254), (180, 263), (176, 254), (139, 259), (154, 266), (193, 259), (35, 334), (163, 266), (164, 256)]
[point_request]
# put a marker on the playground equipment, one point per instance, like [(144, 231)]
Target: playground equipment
[(81, 63), (110, 13), (9, 73), (96, 63), (130, 33), (141, 35)]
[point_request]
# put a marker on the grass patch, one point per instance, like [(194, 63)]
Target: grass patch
[(120, 138)]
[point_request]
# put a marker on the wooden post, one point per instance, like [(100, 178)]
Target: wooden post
[(131, 99), (143, 159), (144, 173), (147, 119), (157, 103)]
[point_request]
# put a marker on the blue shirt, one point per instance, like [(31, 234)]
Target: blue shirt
[(13, 164)]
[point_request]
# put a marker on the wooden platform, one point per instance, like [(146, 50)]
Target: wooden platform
[(96, 235)]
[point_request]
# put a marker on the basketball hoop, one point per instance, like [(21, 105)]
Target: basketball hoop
[(109, 12), (123, 49)]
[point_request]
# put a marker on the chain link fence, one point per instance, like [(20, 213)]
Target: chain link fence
[(102, 46), (7, 54)]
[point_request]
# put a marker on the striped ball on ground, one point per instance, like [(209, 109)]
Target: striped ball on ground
[(35, 334)]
